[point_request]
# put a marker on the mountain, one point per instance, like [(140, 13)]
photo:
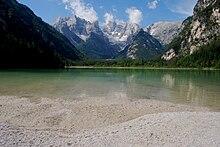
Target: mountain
[(165, 32), (98, 47), (142, 47), (79, 29), (28, 42), (198, 40), (113, 38), (86, 36), (119, 32)]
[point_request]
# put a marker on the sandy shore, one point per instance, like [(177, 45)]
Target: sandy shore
[(105, 122)]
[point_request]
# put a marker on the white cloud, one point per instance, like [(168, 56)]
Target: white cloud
[(184, 7), (181, 10), (80, 9), (135, 15), (109, 18), (153, 4)]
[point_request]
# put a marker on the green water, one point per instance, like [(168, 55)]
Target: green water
[(198, 88)]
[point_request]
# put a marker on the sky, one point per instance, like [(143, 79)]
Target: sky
[(142, 12)]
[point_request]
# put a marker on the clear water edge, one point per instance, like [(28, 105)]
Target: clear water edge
[(197, 88)]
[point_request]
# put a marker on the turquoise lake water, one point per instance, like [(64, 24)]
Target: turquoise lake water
[(197, 88)]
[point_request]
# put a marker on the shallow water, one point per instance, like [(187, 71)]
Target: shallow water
[(197, 88)]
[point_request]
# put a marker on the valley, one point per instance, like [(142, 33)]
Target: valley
[(109, 73)]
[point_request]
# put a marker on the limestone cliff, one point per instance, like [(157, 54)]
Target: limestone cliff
[(199, 30)]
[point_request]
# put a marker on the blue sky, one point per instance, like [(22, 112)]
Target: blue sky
[(143, 12)]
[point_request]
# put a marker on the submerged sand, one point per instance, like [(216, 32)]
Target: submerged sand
[(105, 122)]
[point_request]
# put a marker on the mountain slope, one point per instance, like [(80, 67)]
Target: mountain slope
[(206, 56), (143, 47), (199, 30), (86, 36), (27, 42), (165, 32), (97, 47)]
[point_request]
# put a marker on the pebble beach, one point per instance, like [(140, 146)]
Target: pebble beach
[(105, 122)]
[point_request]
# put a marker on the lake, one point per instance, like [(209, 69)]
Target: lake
[(194, 87)]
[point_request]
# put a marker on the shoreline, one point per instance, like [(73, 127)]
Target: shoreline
[(104, 122), (144, 68)]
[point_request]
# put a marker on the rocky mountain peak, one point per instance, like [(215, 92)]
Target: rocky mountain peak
[(88, 37), (120, 32), (164, 31), (81, 27)]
